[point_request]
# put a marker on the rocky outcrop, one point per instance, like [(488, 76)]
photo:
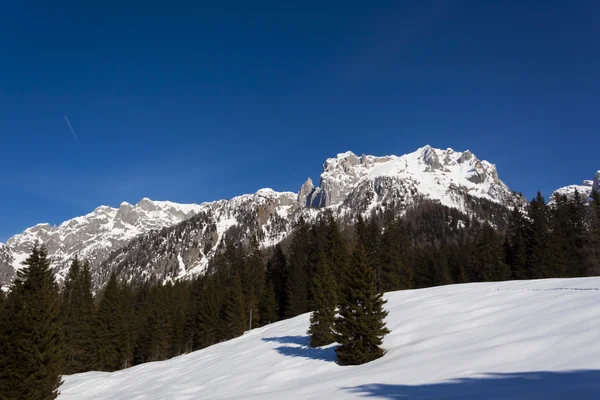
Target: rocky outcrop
[(166, 241)]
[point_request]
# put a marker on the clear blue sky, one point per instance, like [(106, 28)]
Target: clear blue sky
[(196, 101)]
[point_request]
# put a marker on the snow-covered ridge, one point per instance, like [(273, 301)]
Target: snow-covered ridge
[(532, 340), (349, 184), (443, 175), (585, 190), (95, 235)]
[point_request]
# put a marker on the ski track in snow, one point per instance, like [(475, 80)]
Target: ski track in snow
[(536, 339)]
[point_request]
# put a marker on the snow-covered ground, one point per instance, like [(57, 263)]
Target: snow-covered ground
[(509, 340)]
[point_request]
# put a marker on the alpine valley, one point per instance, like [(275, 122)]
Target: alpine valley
[(165, 241)]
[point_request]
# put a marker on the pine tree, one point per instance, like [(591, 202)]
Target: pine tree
[(253, 282), (593, 242), (268, 306), (77, 314), (360, 326), (539, 256), (31, 333), (110, 340), (397, 271), (233, 312), (488, 258), (277, 277), (297, 278), (515, 245), (325, 302)]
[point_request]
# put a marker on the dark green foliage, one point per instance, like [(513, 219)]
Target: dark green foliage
[(515, 245), (277, 277), (539, 257), (233, 312), (325, 302), (297, 277), (253, 283), (488, 261), (397, 271), (31, 333), (77, 313), (268, 306), (109, 335), (360, 326)]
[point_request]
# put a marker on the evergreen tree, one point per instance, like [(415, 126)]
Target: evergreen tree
[(592, 244), (515, 245), (488, 258), (325, 302), (360, 326), (539, 256), (298, 265), (268, 306), (277, 277), (77, 314), (31, 333), (233, 312), (253, 282), (110, 339), (396, 271)]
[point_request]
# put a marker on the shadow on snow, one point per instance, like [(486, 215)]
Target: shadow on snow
[(302, 348), (580, 385)]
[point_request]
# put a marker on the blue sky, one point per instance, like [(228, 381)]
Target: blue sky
[(196, 101)]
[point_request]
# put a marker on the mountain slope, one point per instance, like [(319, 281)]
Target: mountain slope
[(518, 340), (166, 241), (585, 190), (95, 235)]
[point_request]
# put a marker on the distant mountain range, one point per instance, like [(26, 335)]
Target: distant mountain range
[(167, 241)]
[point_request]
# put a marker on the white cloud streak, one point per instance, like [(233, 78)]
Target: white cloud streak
[(72, 130)]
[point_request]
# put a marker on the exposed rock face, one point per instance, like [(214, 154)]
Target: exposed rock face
[(6, 265), (305, 192), (95, 235), (596, 182), (167, 241)]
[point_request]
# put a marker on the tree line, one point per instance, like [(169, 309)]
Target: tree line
[(336, 271)]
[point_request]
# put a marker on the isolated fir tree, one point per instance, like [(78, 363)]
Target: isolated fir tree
[(110, 339), (77, 313), (324, 305), (360, 326), (31, 333)]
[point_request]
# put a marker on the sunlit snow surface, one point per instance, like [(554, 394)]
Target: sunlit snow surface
[(510, 340)]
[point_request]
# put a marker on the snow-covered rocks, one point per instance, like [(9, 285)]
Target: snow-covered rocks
[(349, 184)]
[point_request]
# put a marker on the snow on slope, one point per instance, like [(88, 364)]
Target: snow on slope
[(510, 340)]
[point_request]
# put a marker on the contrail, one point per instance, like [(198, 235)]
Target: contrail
[(72, 130)]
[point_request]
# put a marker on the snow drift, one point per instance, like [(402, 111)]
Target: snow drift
[(511, 340)]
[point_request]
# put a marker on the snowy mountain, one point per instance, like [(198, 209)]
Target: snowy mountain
[(93, 236), (166, 241), (585, 190), (519, 340)]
